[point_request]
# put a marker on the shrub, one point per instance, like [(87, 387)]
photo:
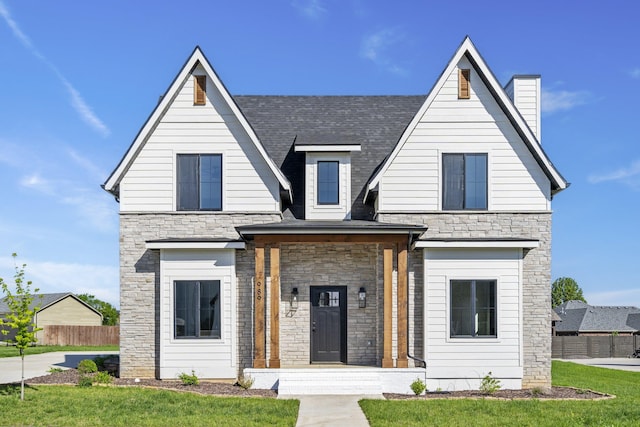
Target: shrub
[(418, 386), (103, 377), (85, 381), (189, 379), (489, 385), (53, 370), (87, 366), (245, 381)]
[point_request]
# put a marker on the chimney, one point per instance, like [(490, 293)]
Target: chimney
[(524, 91)]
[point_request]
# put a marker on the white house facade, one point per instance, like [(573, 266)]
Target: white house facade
[(403, 235)]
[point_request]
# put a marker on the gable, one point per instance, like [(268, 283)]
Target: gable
[(144, 179), (447, 118)]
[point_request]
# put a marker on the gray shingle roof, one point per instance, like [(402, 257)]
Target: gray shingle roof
[(42, 300), (581, 317), (375, 122)]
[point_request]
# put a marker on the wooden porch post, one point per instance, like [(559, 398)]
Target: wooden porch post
[(402, 361), (387, 360), (258, 299), (274, 292)]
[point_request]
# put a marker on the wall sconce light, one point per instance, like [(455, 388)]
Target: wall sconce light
[(362, 298), (294, 299)]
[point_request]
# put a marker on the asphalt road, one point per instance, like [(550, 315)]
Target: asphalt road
[(37, 365)]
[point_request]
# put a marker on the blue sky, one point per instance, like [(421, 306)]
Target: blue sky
[(78, 80)]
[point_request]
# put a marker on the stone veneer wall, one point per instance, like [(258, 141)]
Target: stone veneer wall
[(140, 278), (536, 272)]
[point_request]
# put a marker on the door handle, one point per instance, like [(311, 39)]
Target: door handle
[(313, 327)]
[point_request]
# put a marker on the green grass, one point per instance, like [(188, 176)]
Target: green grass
[(622, 411), (10, 351), (128, 406)]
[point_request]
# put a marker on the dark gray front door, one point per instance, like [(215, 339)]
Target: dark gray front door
[(329, 324)]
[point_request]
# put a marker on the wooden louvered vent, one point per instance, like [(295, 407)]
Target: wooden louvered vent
[(200, 90), (464, 89)]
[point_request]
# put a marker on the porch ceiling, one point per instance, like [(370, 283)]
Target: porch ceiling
[(354, 231)]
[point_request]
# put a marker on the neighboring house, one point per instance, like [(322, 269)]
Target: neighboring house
[(580, 318), (262, 234), (58, 309)]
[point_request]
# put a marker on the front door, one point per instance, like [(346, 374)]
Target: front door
[(329, 324)]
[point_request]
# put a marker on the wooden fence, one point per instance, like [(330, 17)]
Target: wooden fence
[(594, 346), (80, 335)]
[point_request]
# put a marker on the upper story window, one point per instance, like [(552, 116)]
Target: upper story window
[(328, 182), (464, 181), (199, 182), (196, 309), (473, 308)]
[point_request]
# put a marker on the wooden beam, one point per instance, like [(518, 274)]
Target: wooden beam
[(330, 238), (274, 292), (259, 357), (403, 314), (387, 360)]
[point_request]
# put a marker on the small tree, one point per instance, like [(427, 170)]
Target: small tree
[(20, 318), (565, 289)]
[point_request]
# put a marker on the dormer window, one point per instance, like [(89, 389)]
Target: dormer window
[(328, 182), (327, 175)]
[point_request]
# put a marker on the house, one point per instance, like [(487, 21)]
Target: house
[(579, 318), (264, 234), (58, 309)]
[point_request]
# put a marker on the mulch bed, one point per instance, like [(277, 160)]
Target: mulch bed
[(553, 393), (71, 376)]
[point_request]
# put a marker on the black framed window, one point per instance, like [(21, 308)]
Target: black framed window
[(196, 309), (328, 183), (473, 308), (464, 181), (199, 182)]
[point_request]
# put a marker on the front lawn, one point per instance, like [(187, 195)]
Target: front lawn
[(622, 411), (10, 351), (128, 406)]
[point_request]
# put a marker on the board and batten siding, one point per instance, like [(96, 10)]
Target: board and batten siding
[(413, 181), (460, 363), (150, 184), (208, 358)]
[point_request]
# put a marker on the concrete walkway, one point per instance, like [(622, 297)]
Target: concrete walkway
[(335, 410), (621, 363), (36, 365)]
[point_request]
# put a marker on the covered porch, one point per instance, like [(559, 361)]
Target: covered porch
[(330, 295)]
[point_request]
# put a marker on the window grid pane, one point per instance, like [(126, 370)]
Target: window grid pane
[(473, 308), (464, 181), (211, 182), (328, 183), (187, 173), (197, 309)]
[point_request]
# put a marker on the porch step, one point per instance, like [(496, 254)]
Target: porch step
[(329, 381)]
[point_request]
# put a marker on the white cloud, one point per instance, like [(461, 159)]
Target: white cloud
[(313, 9), (51, 277), (86, 164), (376, 47), (635, 73), (77, 102), (36, 182), (562, 100), (628, 175)]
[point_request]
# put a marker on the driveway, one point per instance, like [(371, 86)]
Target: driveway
[(37, 365), (621, 363)]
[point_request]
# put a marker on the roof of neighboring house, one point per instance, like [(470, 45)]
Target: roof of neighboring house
[(46, 300), (373, 122), (578, 316)]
